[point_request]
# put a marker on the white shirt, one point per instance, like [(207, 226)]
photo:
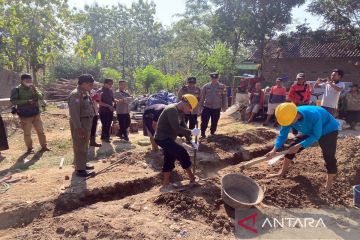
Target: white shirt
[(331, 95)]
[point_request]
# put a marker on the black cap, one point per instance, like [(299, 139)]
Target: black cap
[(85, 78), (25, 76), (191, 79), (214, 75), (108, 81)]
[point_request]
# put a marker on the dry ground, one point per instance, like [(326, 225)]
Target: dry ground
[(125, 202)]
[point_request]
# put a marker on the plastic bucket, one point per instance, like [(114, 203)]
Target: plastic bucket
[(356, 190)]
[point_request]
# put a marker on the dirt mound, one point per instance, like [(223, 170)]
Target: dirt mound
[(202, 206), (256, 136), (186, 206), (303, 185)]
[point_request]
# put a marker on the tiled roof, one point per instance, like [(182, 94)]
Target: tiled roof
[(307, 48)]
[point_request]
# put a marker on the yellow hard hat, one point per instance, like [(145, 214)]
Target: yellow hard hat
[(191, 99), (286, 113)]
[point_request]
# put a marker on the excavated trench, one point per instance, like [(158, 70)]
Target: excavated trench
[(229, 151), (68, 202)]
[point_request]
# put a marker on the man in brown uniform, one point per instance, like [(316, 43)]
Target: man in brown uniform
[(191, 88), (123, 99), (81, 111), (213, 100)]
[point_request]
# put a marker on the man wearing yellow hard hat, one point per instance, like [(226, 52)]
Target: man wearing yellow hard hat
[(170, 125), (315, 125)]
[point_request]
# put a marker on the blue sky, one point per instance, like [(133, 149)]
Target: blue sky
[(166, 9)]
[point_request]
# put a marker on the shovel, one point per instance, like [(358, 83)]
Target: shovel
[(94, 174), (271, 161), (195, 151)]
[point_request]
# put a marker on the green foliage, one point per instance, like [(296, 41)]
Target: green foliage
[(341, 15), (251, 21), (151, 80), (220, 59), (147, 77), (32, 31), (72, 67), (127, 42), (110, 73)]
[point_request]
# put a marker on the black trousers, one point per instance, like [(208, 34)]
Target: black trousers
[(332, 111), (94, 126), (106, 118), (192, 119), (3, 140), (327, 144), (173, 151), (124, 124), (206, 114)]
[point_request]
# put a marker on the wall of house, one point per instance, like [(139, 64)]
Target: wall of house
[(313, 68), (8, 80)]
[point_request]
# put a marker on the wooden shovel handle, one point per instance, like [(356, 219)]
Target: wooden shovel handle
[(259, 160)]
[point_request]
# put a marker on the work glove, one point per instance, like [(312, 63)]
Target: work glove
[(195, 132), (195, 145)]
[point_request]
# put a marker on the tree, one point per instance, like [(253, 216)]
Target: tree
[(12, 40), (251, 21), (220, 59), (146, 77), (343, 16), (33, 32), (110, 73)]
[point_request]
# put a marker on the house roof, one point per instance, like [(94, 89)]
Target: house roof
[(308, 48)]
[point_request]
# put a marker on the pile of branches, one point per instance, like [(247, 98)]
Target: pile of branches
[(60, 90)]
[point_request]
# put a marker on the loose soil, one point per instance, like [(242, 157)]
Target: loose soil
[(304, 184), (125, 202)]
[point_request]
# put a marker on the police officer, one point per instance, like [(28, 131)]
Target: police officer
[(191, 88), (81, 111), (213, 99)]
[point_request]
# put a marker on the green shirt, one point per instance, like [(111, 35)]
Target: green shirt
[(170, 124), (21, 95)]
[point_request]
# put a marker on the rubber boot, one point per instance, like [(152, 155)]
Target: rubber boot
[(93, 142)]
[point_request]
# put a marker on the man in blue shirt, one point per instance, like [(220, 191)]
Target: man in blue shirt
[(315, 125)]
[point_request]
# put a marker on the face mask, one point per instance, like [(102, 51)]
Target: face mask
[(28, 84)]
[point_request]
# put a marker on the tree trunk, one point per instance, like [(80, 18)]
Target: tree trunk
[(33, 68), (235, 49), (27, 67), (262, 45), (123, 61)]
